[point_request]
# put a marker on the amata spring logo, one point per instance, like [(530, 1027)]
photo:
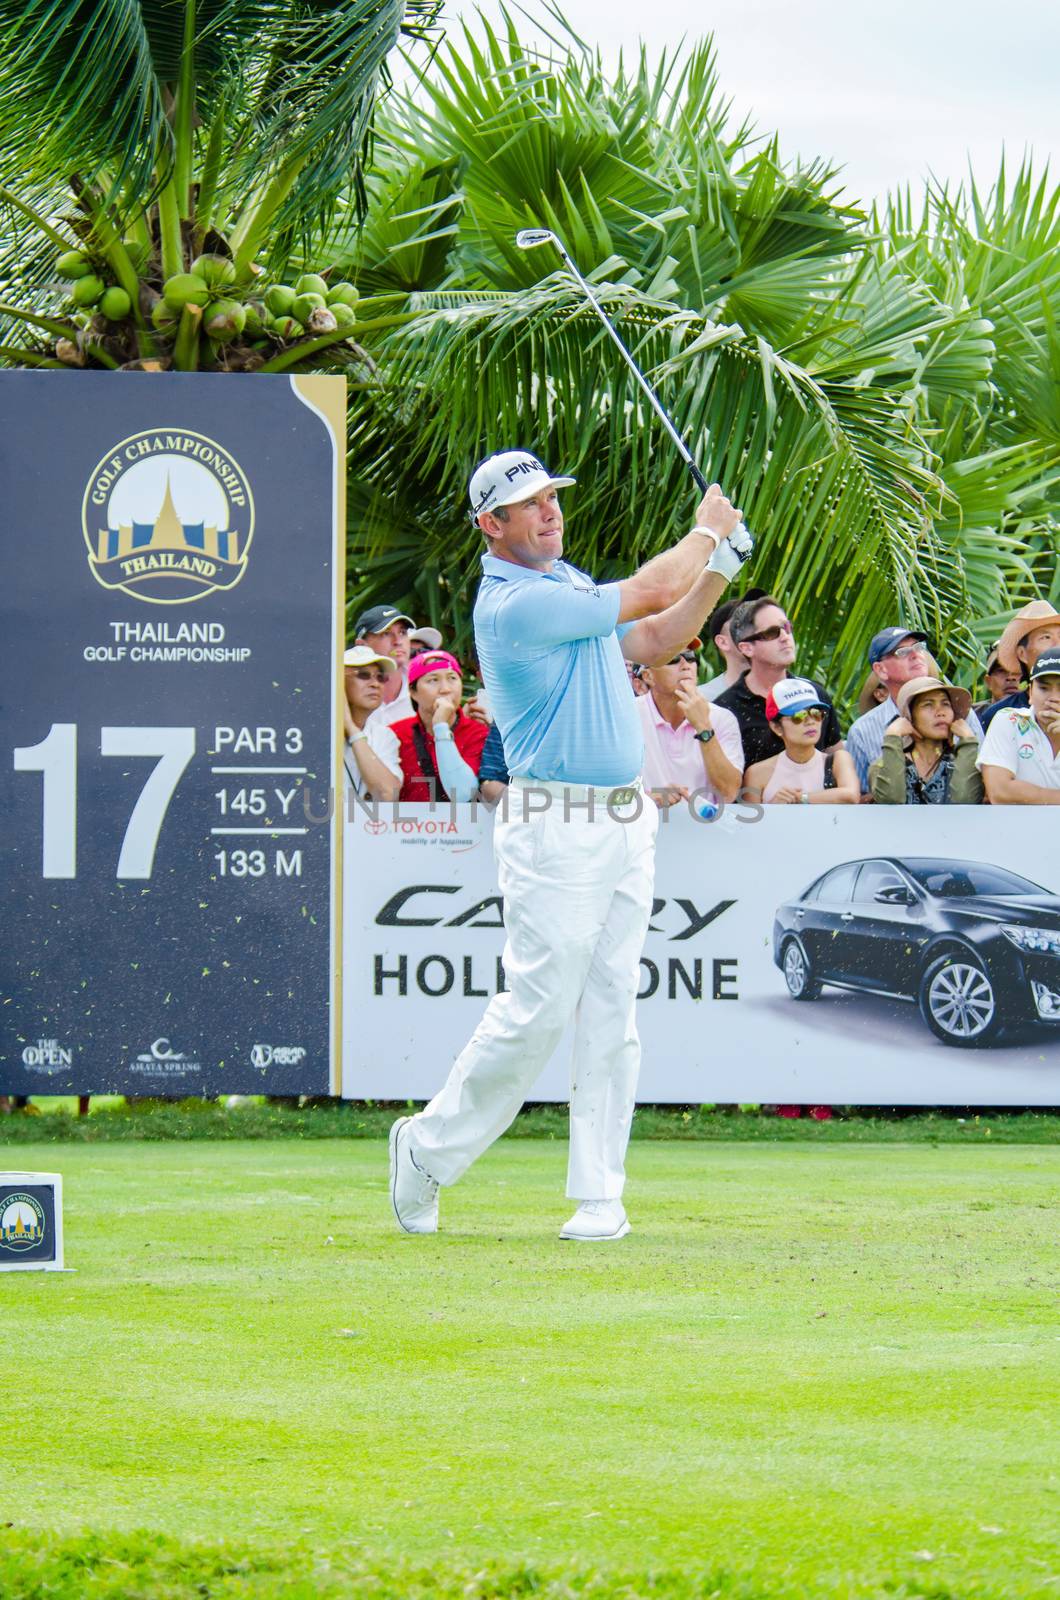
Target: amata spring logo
[(21, 1223), (168, 517)]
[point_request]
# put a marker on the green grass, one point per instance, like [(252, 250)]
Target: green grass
[(812, 1370), (111, 1118)]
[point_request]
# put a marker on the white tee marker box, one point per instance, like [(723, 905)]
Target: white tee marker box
[(31, 1222)]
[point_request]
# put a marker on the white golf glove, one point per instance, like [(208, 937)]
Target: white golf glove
[(730, 555)]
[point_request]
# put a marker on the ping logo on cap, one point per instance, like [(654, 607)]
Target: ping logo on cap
[(528, 464), (508, 476)]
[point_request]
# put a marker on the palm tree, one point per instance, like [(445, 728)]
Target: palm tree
[(803, 347), (998, 445), (159, 158)]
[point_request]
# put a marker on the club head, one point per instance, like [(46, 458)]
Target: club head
[(530, 238)]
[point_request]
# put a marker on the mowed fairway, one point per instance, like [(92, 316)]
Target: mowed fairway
[(809, 1370)]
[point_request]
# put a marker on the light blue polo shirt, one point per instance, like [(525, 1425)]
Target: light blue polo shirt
[(548, 646)]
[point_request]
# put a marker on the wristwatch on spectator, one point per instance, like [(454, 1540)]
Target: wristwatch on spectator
[(705, 735), (804, 798), (442, 730), (355, 738)]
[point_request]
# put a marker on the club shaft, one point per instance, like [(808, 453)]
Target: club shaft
[(653, 399)]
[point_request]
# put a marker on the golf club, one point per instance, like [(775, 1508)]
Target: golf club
[(529, 239)]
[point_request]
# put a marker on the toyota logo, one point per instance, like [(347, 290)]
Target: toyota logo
[(375, 825)]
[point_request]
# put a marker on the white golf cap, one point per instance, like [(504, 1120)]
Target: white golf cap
[(428, 636), (509, 476), (362, 655)]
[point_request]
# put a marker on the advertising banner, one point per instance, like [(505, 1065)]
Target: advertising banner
[(829, 955), (171, 589)]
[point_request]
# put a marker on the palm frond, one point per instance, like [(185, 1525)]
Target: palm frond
[(841, 514), (79, 92)]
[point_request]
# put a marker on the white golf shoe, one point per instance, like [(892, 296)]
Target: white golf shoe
[(595, 1221), (413, 1192)]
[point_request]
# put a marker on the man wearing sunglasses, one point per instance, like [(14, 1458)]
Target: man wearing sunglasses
[(762, 633), (373, 765), (897, 656), (692, 750)]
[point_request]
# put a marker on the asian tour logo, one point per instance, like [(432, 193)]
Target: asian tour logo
[(168, 517), (21, 1223)]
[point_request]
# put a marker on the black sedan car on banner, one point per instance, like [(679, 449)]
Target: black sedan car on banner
[(976, 947)]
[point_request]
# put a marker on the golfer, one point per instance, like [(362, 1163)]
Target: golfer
[(575, 849)]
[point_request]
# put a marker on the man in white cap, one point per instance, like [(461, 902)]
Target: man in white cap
[(1034, 628), (575, 851), (421, 639)]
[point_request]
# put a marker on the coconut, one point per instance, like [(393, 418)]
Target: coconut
[(86, 291), (307, 303), (255, 317), (343, 294), (115, 304), (279, 299), (288, 328), (312, 283), (73, 264), (345, 316), (164, 317), (69, 353), (185, 289), (215, 271), (321, 321), (224, 320)]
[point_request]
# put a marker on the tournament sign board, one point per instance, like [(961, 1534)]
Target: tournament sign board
[(31, 1222), (172, 602)]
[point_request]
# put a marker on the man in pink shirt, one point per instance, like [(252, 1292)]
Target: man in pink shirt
[(692, 749)]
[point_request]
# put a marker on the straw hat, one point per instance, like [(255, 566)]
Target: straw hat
[(867, 700), (1038, 614), (959, 699)]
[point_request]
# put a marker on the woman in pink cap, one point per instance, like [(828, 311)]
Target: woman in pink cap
[(441, 746)]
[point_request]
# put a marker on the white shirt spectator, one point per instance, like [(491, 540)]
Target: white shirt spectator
[(385, 745), (673, 756), (396, 711), (1015, 742), (715, 686), (865, 737)]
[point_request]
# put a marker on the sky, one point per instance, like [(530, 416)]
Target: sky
[(892, 92)]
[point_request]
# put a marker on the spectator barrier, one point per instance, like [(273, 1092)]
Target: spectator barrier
[(955, 909)]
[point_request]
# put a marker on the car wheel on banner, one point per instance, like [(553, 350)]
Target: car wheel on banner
[(959, 1003), (798, 972)]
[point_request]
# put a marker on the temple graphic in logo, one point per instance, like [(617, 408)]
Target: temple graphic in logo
[(21, 1222), (168, 517)]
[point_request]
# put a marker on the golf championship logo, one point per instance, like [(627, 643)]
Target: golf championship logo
[(168, 517), (21, 1223)]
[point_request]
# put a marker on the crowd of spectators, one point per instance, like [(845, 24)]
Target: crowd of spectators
[(755, 731)]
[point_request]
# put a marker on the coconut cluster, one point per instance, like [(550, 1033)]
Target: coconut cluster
[(230, 325)]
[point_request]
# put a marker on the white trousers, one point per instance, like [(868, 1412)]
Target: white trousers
[(577, 900)]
